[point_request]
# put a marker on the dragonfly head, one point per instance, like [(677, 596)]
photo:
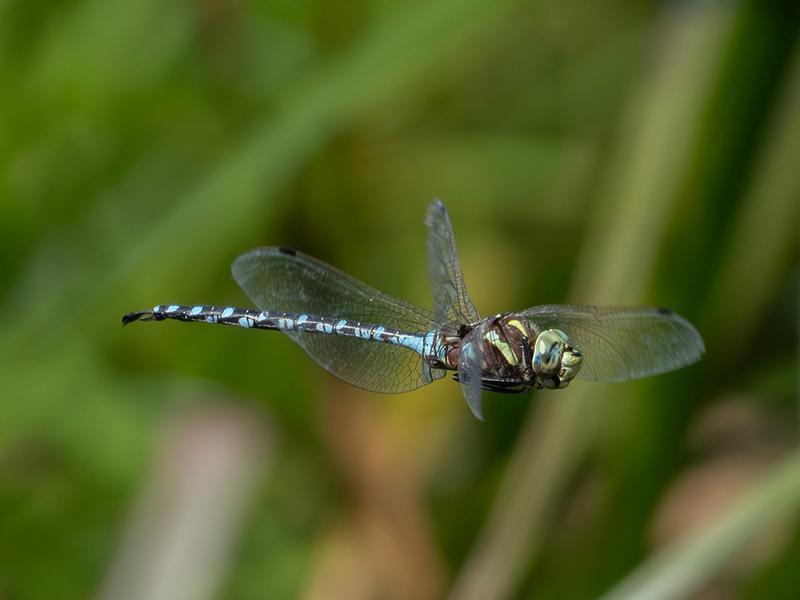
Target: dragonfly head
[(556, 359)]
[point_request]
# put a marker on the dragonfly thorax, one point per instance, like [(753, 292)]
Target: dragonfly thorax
[(516, 355)]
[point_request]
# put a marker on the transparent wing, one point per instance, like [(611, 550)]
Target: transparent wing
[(450, 298), (619, 344), (470, 369), (278, 279)]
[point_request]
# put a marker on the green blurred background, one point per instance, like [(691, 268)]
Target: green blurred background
[(599, 152)]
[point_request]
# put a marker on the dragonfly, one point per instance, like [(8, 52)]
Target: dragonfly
[(383, 344)]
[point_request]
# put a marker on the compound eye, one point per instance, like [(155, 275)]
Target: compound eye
[(556, 360), (547, 350)]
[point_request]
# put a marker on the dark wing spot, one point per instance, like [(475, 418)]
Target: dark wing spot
[(289, 251), (664, 311)]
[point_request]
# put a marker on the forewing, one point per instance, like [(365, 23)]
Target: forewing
[(619, 344), (450, 298), (277, 279)]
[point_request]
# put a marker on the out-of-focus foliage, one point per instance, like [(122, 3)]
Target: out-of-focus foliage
[(604, 152)]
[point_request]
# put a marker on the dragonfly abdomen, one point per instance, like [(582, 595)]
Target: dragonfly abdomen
[(223, 315), (422, 343)]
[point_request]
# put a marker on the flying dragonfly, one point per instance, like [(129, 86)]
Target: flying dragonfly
[(383, 344)]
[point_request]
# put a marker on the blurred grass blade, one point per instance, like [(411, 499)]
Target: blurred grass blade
[(680, 569), (761, 239), (181, 534), (617, 262)]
